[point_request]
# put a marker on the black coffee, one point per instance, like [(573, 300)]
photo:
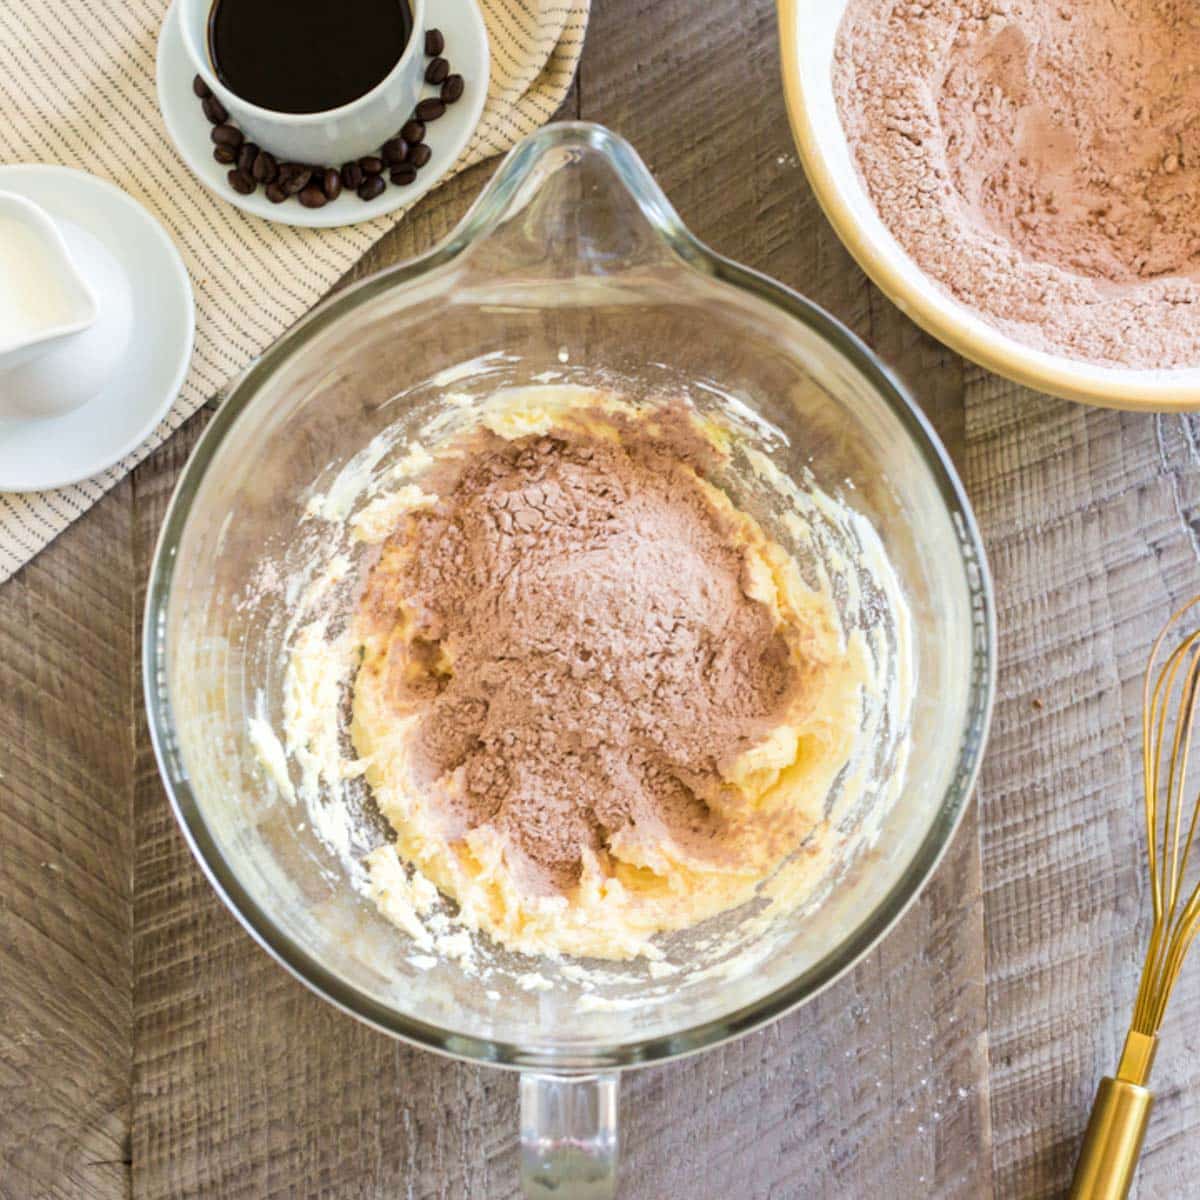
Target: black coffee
[(304, 56)]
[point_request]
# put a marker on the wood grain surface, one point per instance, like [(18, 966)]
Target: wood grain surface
[(149, 1049)]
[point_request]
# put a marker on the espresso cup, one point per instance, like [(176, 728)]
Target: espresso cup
[(334, 136)]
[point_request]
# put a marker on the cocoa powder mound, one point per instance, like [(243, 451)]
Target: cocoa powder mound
[(604, 657), (1040, 160)]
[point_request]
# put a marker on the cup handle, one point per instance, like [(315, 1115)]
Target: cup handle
[(569, 1136)]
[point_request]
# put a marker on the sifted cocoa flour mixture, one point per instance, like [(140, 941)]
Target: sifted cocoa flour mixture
[(593, 699), (1040, 160), (580, 631)]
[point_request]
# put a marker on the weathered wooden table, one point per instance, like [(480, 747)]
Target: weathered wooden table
[(148, 1048)]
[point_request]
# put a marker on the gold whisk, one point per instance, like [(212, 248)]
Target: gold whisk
[(1113, 1140)]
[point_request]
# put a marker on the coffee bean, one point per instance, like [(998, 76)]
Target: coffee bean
[(227, 135), (404, 174), (435, 43), (225, 155), (313, 197), (214, 110), (200, 88), (352, 176), (394, 152), (430, 109), (294, 177), (275, 193), (241, 182), (371, 187), (331, 184), (420, 154), (437, 71), (246, 156), (371, 165), (413, 131), (452, 89), (265, 167)]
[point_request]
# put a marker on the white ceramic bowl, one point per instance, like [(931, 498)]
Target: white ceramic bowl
[(808, 29), (335, 136)]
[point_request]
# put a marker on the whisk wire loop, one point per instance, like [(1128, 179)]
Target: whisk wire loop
[(1173, 687)]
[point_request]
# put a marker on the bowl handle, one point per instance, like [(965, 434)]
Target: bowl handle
[(569, 1136)]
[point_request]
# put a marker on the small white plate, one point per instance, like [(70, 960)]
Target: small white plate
[(467, 52), (50, 452)]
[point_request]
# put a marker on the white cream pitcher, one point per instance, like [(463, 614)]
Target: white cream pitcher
[(65, 313)]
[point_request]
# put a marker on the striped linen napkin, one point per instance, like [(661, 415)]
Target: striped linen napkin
[(77, 87)]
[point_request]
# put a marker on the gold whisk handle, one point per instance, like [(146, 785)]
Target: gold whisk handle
[(1113, 1141), (1117, 1126)]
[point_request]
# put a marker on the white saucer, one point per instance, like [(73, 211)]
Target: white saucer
[(467, 50), (50, 452)]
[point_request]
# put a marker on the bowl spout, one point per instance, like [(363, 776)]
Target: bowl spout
[(572, 201)]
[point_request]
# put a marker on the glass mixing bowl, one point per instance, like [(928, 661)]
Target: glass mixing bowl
[(573, 266)]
